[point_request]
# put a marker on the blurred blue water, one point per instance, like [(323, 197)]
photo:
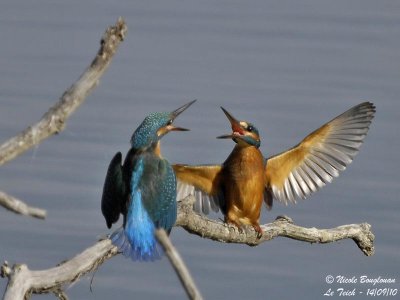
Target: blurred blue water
[(286, 66)]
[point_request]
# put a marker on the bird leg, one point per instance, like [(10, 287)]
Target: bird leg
[(234, 224), (239, 226), (258, 230)]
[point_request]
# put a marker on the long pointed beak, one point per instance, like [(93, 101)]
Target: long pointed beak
[(225, 136), (235, 124), (173, 128), (176, 113), (181, 109), (230, 117)]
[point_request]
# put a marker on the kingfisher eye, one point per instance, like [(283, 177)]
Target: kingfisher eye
[(170, 122), (250, 128)]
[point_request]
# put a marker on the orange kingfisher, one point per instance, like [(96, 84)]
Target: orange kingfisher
[(239, 186)]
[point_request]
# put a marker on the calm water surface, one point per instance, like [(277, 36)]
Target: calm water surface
[(288, 67)]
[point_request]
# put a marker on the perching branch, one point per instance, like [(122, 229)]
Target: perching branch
[(53, 121), (282, 226), (22, 281), (178, 265), (19, 207)]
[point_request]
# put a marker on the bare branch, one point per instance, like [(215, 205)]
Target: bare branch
[(61, 295), (282, 226), (23, 281), (19, 207), (178, 265), (53, 121)]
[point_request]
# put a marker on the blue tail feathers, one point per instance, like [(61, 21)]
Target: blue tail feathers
[(148, 252), (136, 240)]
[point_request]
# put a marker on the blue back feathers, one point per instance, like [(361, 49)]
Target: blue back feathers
[(137, 240)]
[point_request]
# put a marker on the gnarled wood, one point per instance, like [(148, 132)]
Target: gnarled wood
[(23, 282), (53, 121), (19, 207), (282, 226)]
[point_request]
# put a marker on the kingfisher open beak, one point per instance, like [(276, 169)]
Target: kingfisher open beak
[(237, 130), (173, 128), (176, 113), (181, 109)]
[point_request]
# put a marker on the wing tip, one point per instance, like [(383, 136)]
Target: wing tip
[(109, 224), (345, 137), (367, 105)]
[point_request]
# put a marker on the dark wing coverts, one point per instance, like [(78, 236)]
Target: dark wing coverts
[(113, 191)]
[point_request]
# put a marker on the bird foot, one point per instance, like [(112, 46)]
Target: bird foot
[(258, 230), (240, 229), (235, 225)]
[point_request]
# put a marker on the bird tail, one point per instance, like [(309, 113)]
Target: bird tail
[(148, 250), (136, 239)]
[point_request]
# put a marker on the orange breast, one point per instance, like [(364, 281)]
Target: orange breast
[(243, 182)]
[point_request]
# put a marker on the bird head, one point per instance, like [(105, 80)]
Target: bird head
[(155, 126), (243, 133)]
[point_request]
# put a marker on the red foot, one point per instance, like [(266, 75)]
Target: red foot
[(259, 231)]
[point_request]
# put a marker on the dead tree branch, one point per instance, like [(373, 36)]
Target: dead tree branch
[(178, 265), (53, 121), (22, 282), (17, 206), (282, 226)]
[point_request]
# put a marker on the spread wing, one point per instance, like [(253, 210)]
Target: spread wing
[(113, 191), (203, 182), (315, 161)]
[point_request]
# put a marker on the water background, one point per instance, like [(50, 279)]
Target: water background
[(286, 66)]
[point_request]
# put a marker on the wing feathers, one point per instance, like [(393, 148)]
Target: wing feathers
[(113, 191), (203, 182), (320, 157)]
